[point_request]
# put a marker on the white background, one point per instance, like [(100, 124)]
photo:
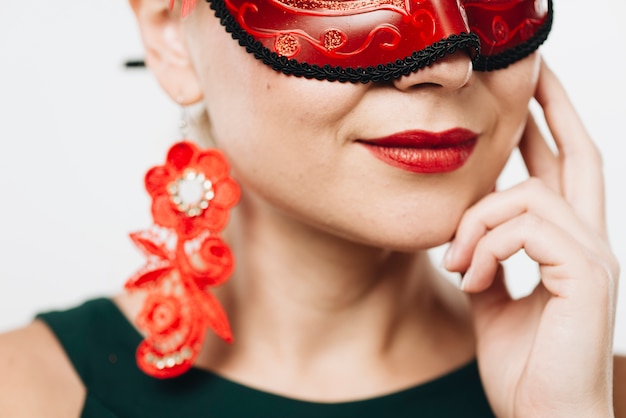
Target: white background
[(78, 131)]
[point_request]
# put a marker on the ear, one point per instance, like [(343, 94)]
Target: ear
[(166, 52)]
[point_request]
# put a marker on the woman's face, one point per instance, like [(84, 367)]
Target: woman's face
[(299, 144)]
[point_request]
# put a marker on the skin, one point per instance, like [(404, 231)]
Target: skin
[(316, 171), (308, 190)]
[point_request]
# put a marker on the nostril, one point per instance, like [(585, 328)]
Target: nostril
[(427, 85), (451, 72)]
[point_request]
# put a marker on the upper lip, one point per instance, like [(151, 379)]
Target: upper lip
[(425, 139)]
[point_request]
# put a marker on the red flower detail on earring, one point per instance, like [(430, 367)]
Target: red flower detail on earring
[(192, 192), (191, 196)]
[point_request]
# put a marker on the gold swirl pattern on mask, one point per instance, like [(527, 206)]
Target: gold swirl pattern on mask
[(342, 7)]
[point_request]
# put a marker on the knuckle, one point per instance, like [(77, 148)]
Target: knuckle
[(594, 154), (587, 153), (534, 187), (470, 214), (529, 224), (472, 219), (534, 184), (604, 274), (613, 267), (485, 245)]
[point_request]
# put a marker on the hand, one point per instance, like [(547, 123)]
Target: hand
[(548, 354)]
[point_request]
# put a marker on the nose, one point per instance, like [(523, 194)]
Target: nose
[(450, 72)]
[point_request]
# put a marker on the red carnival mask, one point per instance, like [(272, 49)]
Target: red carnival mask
[(374, 40)]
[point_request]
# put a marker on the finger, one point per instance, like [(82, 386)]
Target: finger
[(581, 167), (531, 196), (577, 292), (494, 296), (566, 268), (538, 157)]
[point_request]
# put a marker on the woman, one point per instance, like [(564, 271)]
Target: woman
[(343, 189)]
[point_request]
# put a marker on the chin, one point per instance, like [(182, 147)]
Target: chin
[(410, 227), (398, 233), (417, 240)]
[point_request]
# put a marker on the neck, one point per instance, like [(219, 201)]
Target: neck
[(311, 301)]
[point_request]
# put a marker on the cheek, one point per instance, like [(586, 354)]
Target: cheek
[(509, 94), (281, 134), (512, 89), (275, 129), (244, 96)]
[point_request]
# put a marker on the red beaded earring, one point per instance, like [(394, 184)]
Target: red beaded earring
[(191, 195)]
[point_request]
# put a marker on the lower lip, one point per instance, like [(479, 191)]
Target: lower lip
[(424, 160)]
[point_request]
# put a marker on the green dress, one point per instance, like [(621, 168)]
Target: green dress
[(101, 345)]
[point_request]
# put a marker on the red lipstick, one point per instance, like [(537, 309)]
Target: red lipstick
[(423, 151)]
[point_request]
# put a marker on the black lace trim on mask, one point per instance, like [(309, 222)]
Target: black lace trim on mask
[(384, 72), (508, 57), (392, 70)]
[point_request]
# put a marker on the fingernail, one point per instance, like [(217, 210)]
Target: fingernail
[(467, 278)]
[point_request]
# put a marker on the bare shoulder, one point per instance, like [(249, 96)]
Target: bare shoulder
[(619, 386), (37, 378)]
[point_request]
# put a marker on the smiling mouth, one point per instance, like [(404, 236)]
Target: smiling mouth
[(424, 152)]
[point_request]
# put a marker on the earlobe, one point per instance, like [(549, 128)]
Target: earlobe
[(166, 52)]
